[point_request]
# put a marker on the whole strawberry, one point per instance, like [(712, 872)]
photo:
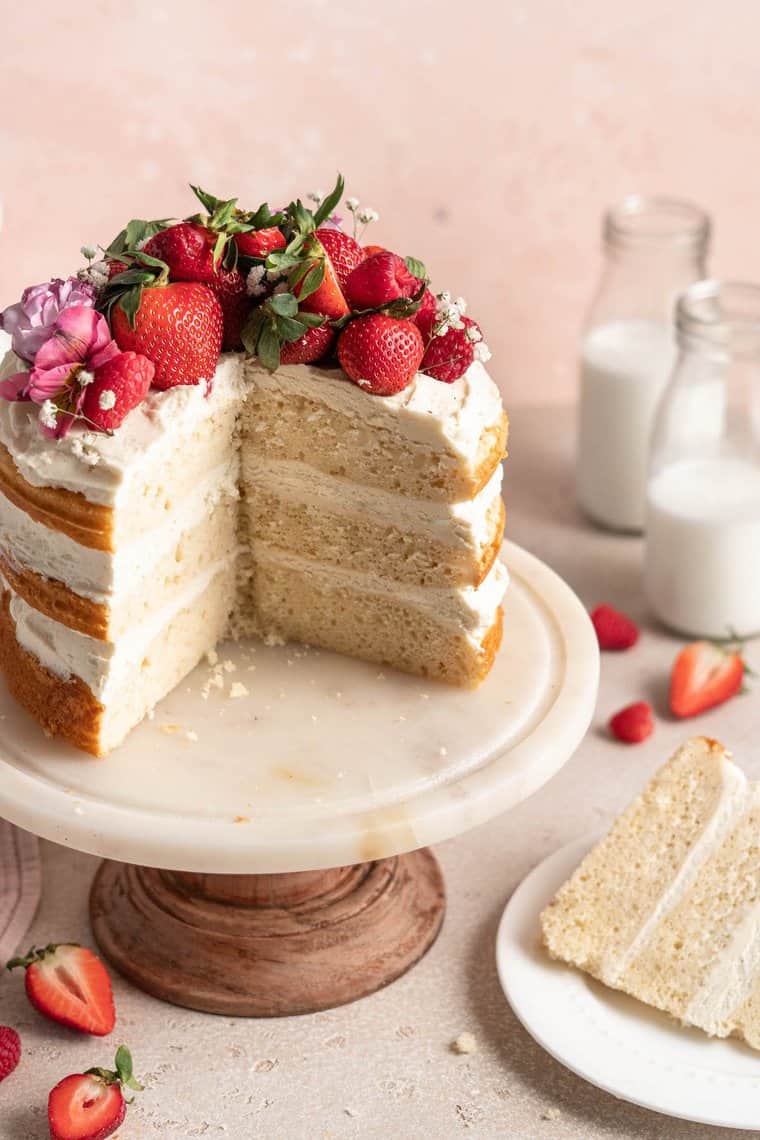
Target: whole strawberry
[(260, 243), (312, 346), (614, 630), (178, 326), (91, 1105), (10, 1051), (69, 984), (449, 356), (118, 386), (378, 279), (379, 353), (189, 250)]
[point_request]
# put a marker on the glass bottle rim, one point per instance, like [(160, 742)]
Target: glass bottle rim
[(651, 221), (725, 314)]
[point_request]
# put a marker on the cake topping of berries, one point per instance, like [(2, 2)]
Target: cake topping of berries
[(92, 1105), (286, 285), (705, 675), (69, 984)]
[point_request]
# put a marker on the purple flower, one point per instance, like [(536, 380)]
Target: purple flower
[(78, 343), (31, 321)]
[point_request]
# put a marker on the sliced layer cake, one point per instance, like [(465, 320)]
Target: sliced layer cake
[(667, 906), (156, 496)]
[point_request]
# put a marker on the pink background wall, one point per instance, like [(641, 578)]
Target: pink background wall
[(489, 135)]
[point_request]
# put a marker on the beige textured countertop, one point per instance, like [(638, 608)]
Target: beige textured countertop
[(383, 1067)]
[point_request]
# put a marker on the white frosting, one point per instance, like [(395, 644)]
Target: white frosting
[(465, 523), (104, 667), (729, 807), (100, 574), (427, 411), (97, 465), (465, 610)]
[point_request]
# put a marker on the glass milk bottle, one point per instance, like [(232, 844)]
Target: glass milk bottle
[(654, 248), (702, 550)]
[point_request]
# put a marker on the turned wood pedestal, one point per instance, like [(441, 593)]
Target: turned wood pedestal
[(268, 945)]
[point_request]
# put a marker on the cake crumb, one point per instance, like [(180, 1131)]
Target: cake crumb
[(273, 640), (551, 1114), (237, 689), (171, 729), (191, 736), (464, 1043), (229, 666), (212, 657)]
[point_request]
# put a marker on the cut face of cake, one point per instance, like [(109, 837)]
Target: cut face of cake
[(667, 906), (337, 483)]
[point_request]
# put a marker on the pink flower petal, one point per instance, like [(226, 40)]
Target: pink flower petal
[(14, 387), (45, 383), (75, 332), (103, 355)]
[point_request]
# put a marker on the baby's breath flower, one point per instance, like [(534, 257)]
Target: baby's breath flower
[(352, 204), (482, 352), (316, 196), (95, 274), (473, 333), (48, 415), (367, 215), (89, 252), (280, 287), (253, 282), (107, 400)]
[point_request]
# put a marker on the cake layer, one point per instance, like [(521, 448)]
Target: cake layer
[(91, 692), (448, 634), (332, 519), (431, 441)]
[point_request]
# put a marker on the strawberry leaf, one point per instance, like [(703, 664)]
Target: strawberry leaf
[(312, 320), (249, 334), (219, 245), (312, 279), (136, 232), (284, 304), (130, 303), (327, 206), (208, 201), (416, 268), (268, 347), (289, 329)]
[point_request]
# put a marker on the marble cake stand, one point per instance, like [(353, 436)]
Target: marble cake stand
[(265, 845)]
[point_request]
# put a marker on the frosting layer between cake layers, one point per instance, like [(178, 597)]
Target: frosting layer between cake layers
[(126, 558)]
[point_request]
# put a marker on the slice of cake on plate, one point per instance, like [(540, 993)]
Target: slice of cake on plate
[(242, 423), (667, 906)]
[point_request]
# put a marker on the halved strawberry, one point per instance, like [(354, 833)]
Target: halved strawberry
[(380, 353), (178, 326), (91, 1105), (380, 278), (425, 316), (312, 346), (344, 252), (118, 386), (704, 675), (69, 984), (327, 298)]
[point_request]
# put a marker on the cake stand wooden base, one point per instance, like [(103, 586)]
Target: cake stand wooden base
[(268, 945)]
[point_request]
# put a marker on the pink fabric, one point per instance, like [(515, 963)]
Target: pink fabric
[(20, 884)]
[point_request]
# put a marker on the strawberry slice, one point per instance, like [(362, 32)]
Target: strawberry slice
[(344, 252), (704, 675), (69, 984), (327, 298), (633, 724), (91, 1105)]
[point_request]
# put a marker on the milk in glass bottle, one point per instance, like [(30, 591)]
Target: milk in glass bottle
[(654, 248), (702, 547)]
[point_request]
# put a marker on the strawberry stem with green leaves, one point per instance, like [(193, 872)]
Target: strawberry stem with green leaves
[(122, 1075)]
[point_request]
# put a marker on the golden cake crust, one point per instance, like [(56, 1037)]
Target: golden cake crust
[(56, 600), (64, 708), (90, 524)]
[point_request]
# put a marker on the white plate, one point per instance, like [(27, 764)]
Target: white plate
[(609, 1039), (326, 761)]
